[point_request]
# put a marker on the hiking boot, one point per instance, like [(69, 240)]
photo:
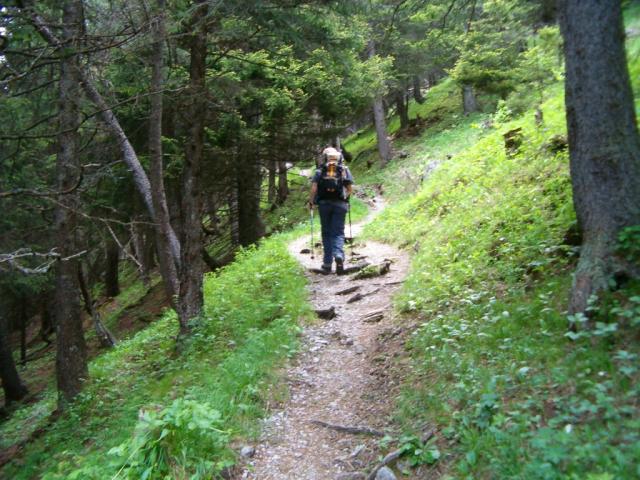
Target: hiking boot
[(326, 269), (339, 266)]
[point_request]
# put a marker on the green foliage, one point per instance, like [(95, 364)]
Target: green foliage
[(417, 452), (489, 49), (629, 243), (202, 399), (492, 366), (174, 441)]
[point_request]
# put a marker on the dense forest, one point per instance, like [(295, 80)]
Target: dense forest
[(154, 170)]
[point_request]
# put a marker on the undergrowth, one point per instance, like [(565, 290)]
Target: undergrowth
[(512, 392), (151, 412)]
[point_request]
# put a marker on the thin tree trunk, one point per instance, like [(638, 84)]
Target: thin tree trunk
[(14, 389), (384, 147), (139, 252), (23, 332), (250, 225), (112, 285), (402, 108), (283, 186), (106, 338), (271, 189), (71, 358), (469, 102), (604, 145), (417, 90), (163, 230), (234, 208), (190, 300)]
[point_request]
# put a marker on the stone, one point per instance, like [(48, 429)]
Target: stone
[(385, 473), (327, 313), (247, 451), (351, 476)]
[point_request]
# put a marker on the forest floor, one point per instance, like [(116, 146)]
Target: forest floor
[(339, 377)]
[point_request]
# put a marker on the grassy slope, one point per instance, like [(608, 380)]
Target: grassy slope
[(492, 366), (252, 312), (253, 308)]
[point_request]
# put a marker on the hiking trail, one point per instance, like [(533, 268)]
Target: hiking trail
[(339, 378)]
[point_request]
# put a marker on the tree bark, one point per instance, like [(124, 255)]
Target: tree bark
[(417, 89), (283, 186), (402, 108), (14, 389), (384, 147), (469, 102), (190, 299), (163, 230), (112, 286), (109, 119), (604, 146), (271, 188), (71, 357), (24, 320), (249, 180), (106, 338)]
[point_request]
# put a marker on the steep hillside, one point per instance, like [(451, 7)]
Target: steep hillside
[(492, 364)]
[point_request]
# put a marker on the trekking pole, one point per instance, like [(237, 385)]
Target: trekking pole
[(350, 230), (311, 222)]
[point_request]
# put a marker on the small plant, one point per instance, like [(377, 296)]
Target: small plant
[(417, 452), (181, 438), (629, 243)]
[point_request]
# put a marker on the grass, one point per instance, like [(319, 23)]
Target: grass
[(492, 365), (219, 383)]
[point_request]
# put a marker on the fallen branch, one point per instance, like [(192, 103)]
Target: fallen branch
[(373, 317), (360, 296), (352, 430), (349, 290)]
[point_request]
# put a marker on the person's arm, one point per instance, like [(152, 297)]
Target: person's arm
[(348, 182), (312, 194)]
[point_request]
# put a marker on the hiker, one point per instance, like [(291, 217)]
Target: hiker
[(330, 189)]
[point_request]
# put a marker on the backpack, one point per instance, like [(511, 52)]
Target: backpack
[(331, 183)]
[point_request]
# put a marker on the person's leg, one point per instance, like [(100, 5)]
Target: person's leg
[(327, 244), (337, 230)]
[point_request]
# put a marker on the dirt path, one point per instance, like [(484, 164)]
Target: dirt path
[(335, 378)]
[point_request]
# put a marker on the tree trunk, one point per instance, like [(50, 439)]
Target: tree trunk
[(283, 186), (71, 358), (384, 147), (469, 102), (604, 145), (138, 246), (190, 298), (111, 283), (24, 320), (402, 108), (106, 338), (271, 189), (417, 90), (163, 230), (14, 389), (109, 119), (249, 180), (234, 215)]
